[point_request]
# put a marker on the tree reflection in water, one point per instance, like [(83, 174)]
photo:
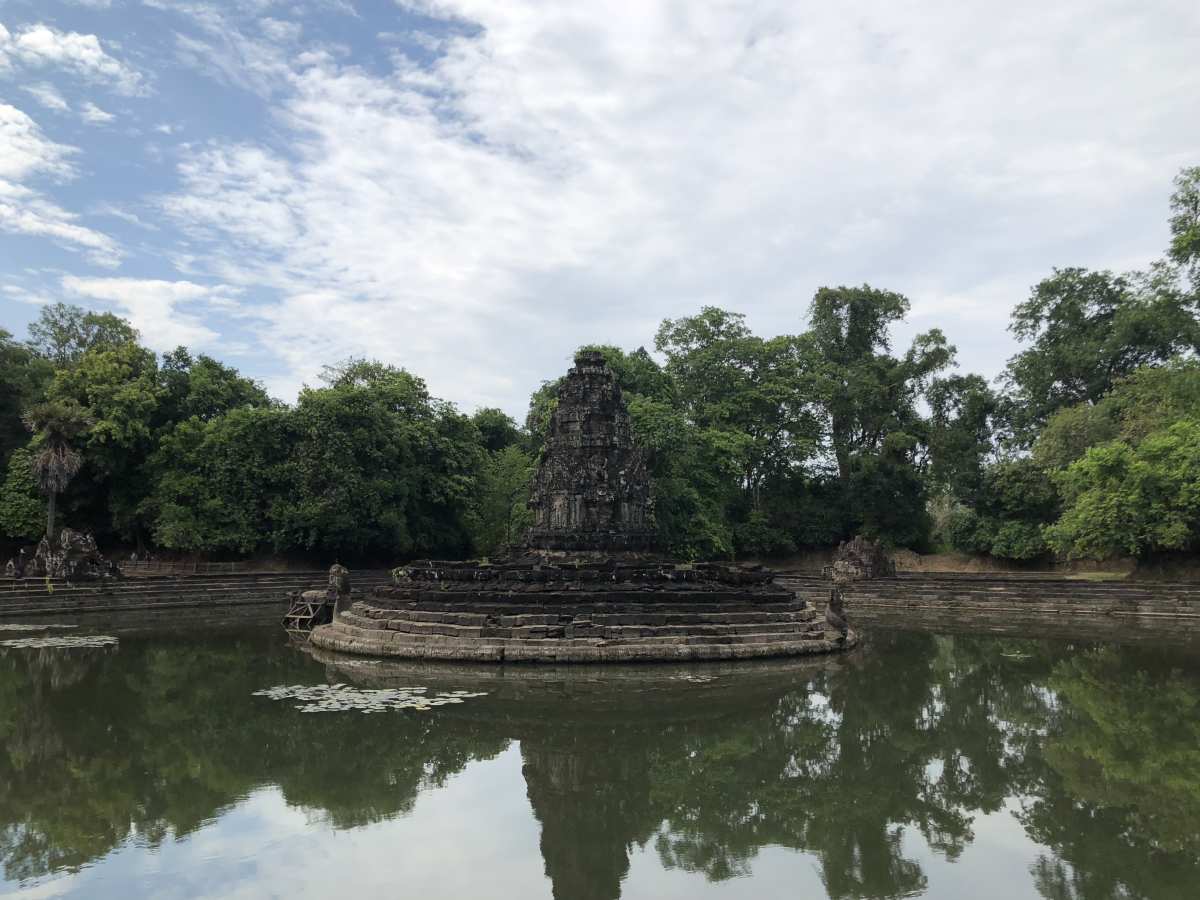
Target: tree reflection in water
[(1096, 748)]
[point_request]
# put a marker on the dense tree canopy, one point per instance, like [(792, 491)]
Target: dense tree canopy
[(758, 446)]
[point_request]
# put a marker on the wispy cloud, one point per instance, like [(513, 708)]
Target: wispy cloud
[(94, 115), (25, 154), (39, 46), (165, 312), (571, 173), (47, 95)]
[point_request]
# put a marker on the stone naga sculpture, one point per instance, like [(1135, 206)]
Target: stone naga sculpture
[(835, 613), (855, 560)]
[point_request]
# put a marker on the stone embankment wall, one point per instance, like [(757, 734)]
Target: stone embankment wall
[(1011, 601), (232, 594)]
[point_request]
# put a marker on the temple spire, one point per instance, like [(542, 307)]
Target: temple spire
[(592, 488)]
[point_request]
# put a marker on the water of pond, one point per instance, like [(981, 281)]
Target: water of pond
[(920, 765)]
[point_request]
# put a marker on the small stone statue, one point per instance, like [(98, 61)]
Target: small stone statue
[(339, 579), (835, 613)]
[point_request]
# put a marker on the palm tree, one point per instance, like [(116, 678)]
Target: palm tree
[(55, 425)]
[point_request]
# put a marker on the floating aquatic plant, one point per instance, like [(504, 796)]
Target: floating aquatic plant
[(344, 698), (64, 642)]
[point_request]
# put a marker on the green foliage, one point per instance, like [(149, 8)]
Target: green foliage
[(725, 379), (64, 333), (693, 482), (499, 504), (21, 509), (379, 467), (23, 379), (1089, 329), (864, 393), (200, 387), (961, 432), (1015, 500), (1185, 220), (1123, 499), (220, 485), (496, 428), (1147, 400)]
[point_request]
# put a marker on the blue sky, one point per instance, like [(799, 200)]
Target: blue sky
[(471, 189)]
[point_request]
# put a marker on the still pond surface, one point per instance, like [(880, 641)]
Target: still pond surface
[(920, 765)]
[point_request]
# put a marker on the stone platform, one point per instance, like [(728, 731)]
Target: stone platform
[(579, 612)]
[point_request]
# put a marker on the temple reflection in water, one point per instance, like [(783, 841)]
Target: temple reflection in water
[(1092, 749)]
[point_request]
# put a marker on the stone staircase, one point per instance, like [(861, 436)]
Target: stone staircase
[(599, 631), (32, 596), (1016, 596)]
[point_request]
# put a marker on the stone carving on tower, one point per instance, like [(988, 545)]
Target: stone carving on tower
[(591, 491)]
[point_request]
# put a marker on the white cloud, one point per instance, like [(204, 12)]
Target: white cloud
[(25, 154), (125, 216), (280, 31), (94, 115), (47, 95), (37, 46), (163, 311), (576, 172), (25, 151)]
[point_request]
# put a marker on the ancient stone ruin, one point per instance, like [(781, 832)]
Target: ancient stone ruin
[(592, 487), (587, 589), (73, 556), (861, 560), (855, 560)]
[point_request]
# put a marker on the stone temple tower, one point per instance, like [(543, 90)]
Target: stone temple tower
[(591, 492)]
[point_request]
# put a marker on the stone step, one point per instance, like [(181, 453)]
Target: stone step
[(374, 641), (584, 629), (640, 609), (1022, 597), (655, 615), (174, 589), (1027, 586), (1081, 595), (462, 592), (52, 604)]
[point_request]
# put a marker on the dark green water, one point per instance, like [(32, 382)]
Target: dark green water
[(920, 765)]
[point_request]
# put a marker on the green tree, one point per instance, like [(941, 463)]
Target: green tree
[(201, 387), (21, 512), (499, 504), (1185, 221), (1148, 400), (379, 467), (119, 387), (220, 485), (1015, 501), (1087, 330), (1123, 499), (496, 429), (56, 426), (63, 333), (865, 393), (961, 433), (23, 379), (751, 390)]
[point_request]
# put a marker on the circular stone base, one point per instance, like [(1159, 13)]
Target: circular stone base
[(580, 614)]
